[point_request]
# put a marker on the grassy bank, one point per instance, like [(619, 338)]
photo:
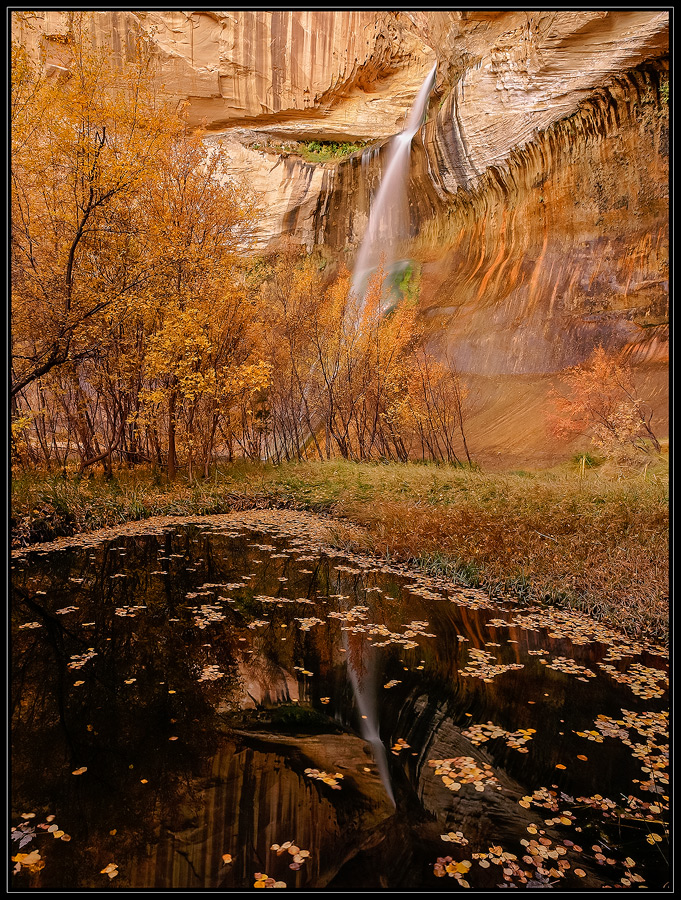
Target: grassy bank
[(597, 541)]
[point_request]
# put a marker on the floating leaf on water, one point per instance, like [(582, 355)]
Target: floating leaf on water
[(31, 861), (463, 770), (209, 673), (454, 837), (331, 780)]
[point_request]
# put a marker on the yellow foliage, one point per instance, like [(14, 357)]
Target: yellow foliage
[(82, 147), (346, 371)]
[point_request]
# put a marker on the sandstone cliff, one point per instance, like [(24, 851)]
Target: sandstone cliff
[(538, 186)]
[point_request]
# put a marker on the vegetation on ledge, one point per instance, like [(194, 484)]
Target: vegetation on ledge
[(318, 151), (584, 537)]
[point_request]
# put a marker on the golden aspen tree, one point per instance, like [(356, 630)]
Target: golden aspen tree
[(291, 304), (82, 144), (436, 397), (129, 312), (198, 222)]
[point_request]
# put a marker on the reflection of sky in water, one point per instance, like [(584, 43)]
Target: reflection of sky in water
[(209, 687)]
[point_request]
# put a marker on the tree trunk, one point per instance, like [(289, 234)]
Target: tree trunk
[(172, 459)]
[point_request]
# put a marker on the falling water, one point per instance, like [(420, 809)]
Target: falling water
[(364, 690), (388, 219)]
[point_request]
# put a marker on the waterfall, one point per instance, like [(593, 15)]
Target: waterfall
[(389, 215), (364, 690)]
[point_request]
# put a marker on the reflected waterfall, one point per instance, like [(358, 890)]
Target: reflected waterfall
[(364, 689)]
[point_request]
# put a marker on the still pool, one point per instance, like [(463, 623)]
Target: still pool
[(228, 704)]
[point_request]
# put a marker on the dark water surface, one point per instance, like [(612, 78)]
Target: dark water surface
[(187, 701)]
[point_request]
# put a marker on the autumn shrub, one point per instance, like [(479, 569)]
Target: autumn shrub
[(352, 378), (587, 460), (600, 398)]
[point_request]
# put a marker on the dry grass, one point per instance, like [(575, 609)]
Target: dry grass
[(604, 564), (598, 543)]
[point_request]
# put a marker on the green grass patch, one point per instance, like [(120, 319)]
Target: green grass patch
[(317, 151), (587, 460), (326, 151)]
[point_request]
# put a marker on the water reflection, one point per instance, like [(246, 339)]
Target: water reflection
[(208, 684), (362, 672)]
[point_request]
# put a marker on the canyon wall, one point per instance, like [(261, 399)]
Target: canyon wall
[(538, 186)]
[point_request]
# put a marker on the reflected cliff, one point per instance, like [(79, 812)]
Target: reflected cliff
[(196, 682)]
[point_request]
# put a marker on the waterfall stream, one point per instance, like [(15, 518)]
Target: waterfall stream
[(388, 217)]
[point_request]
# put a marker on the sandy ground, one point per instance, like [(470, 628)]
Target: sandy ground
[(506, 424)]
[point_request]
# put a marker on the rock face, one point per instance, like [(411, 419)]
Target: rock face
[(348, 74), (247, 790), (538, 186), (566, 247)]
